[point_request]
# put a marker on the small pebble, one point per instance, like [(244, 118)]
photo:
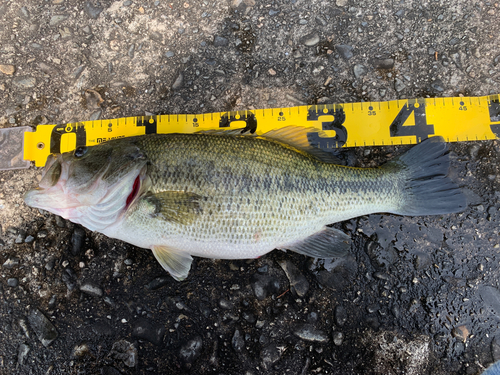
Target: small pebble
[(310, 39), (49, 266), (399, 85), (237, 341), (338, 338), (191, 350), (298, 282), (345, 51), (125, 351), (149, 330), (77, 240), (437, 85), (60, 222), (10, 263), (44, 329), (225, 304), (25, 12), (384, 64), (372, 308), (270, 355), (159, 282), (57, 19), (248, 316), (22, 353), (91, 10), (52, 302), (308, 332), (220, 41), (320, 21), (91, 289), (263, 269), (395, 311), (12, 282), (80, 350), (178, 82), (381, 275), (260, 324), (460, 333), (359, 70), (7, 69), (24, 82), (340, 315)]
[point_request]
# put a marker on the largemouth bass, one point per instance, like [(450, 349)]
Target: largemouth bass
[(230, 196)]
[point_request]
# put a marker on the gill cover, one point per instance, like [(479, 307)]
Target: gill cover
[(92, 186)]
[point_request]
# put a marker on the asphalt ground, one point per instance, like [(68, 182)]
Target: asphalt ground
[(418, 295)]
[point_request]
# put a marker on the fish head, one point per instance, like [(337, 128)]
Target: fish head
[(91, 186)]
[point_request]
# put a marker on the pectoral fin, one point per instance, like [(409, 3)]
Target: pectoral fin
[(174, 262), (177, 206), (327, 243)]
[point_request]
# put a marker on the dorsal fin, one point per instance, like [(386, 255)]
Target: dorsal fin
[(225, 131), (295, 136)]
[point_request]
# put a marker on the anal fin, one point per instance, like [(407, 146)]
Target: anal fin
[(176, 263), (327, 243)]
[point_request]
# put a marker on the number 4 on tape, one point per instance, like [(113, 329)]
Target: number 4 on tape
[(400, 127)]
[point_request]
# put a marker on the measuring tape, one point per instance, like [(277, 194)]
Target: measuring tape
[(345, 125)]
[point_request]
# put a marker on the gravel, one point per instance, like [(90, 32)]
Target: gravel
[(73, 301)]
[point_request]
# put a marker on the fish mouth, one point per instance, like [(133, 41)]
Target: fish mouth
[(50, 189), (101, 202)]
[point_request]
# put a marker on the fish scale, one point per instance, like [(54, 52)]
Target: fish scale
[(301, 193)]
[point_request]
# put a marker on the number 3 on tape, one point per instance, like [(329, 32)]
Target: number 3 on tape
[(420, 129)]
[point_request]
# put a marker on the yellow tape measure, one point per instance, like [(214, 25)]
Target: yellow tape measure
[(345, 125)]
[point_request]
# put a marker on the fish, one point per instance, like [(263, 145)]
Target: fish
[(227, 195), (493, 369)]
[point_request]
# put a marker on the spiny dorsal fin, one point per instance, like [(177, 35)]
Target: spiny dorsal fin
[(174, 262), (295, 136), (177, 206)]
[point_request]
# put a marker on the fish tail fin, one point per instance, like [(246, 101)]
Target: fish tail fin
[(426, 188)]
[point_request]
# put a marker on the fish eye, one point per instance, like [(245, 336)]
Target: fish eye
[(80, 151)]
